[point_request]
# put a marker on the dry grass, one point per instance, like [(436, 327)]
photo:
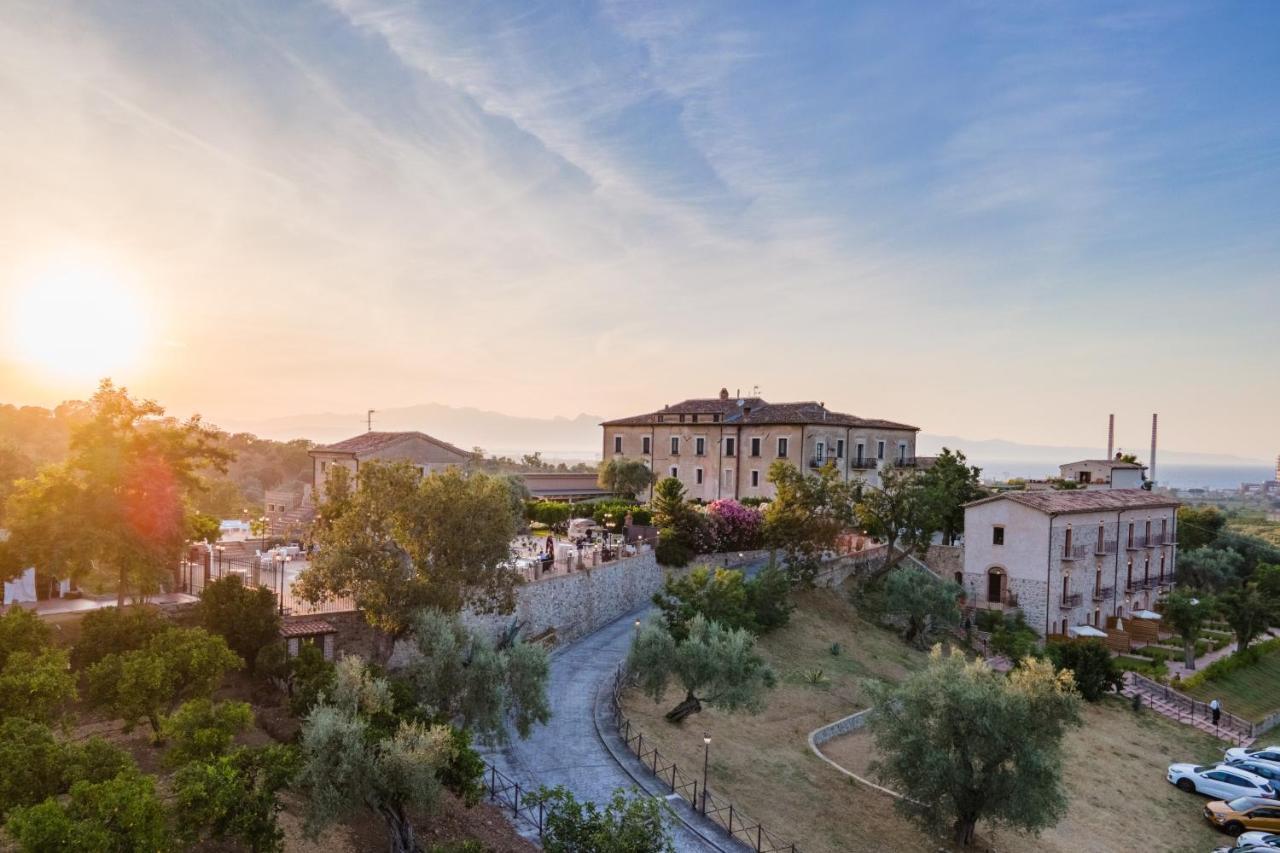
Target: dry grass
[(1115, 761)]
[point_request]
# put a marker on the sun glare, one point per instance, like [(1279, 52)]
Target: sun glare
[(76, 321)]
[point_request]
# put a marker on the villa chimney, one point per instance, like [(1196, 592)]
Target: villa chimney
[(1111, 435), (1152, 461)]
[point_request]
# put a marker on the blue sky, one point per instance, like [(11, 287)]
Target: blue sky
[(990, 219)]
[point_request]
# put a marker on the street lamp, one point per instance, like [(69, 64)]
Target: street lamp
[(706, 761)]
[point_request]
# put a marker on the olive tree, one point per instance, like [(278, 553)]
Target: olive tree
[(712, 664), (458, 676), (1186, 613), (356, 753), (971, 744), (926, 604)]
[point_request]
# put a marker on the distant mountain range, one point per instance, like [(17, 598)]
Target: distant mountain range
[(578, 438)]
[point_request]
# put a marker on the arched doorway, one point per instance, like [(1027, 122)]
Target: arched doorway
[(997, 583)]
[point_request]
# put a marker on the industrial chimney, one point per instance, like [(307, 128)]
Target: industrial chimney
[(1111, 435), (1152, 462)]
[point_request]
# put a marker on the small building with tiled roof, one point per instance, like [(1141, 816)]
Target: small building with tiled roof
[(722, 446), (1105, 473), (1067, 558), (425, 452)]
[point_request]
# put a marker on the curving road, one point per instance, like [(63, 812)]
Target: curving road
[(569, 750)]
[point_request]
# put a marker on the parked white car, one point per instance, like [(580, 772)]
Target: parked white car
[(1222, 783), (1258, 839), (1265, 753), (1269, 770)]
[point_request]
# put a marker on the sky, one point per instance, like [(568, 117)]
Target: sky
[(986, 219)]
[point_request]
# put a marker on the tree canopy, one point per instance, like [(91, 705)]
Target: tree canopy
[(926, 604), (626, 477), (946, 486), (459, 677), (806, 516), (897, 512), (635, 824), (401, 542), (970, 744), (116, 512), (1186, 612), (712, 664)]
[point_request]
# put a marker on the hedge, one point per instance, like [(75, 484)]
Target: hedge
[(1231, 663)]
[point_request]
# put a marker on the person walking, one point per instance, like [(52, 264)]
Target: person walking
[(1216, 708)]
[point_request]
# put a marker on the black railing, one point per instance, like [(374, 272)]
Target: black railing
[(863, 464), (1071, 601), (1102, 593), (715, 808)]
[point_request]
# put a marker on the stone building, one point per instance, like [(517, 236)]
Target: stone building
[(722, 447), (1105, 473), (1069, 558), (427, 453)]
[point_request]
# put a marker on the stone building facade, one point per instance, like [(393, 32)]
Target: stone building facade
[(417, 448), (1070, 558), (722, 447)]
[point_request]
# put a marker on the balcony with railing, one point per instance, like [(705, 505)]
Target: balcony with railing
[(904, 461), (1102, 548), (1102, 593), (821, 461), (1071, 600), (863, 464)]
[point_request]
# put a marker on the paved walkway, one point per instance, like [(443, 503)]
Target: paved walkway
[(568, 751), (571, 750)]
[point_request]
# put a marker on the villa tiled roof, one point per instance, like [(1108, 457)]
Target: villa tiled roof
[(1110, 463), (755, 411), (306, 628), (1065, 501), (372, 442)]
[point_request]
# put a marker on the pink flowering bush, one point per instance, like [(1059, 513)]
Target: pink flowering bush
[(736, 527)]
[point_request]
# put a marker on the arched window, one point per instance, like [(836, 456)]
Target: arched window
[(996, 585)]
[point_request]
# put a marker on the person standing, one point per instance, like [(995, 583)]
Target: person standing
[(1215, 707)]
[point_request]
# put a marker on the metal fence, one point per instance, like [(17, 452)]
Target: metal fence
[(270, 574), (713, 806), (1188, 709)]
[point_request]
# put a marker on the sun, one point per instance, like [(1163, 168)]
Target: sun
[(78, 321)]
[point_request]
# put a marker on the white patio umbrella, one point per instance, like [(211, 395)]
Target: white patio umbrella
[(1147, 614), (1087, 631)]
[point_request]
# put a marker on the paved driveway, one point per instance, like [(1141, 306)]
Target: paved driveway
[(568, 751)]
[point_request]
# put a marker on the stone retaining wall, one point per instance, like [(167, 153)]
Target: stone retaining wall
[(843, 726)]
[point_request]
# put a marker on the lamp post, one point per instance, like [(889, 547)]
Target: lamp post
[(706, 762)]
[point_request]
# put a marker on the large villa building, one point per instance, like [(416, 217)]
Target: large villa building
[(424, 452), (722, 447), (1069, 558)]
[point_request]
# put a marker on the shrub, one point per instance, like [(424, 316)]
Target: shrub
[(31, 764), (1232, 663), (201, 730), (634, 824), (115, 630), (146, 683), (36, 685), (233, 797), (95, 760), (1090, 664), (738, 527), (769, 599), (120, 815), (21, 631), (672, 549), (309, 675), (246, 617)]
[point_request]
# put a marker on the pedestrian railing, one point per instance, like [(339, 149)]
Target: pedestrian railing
[(1186, 709), (714, 807), (194, 575), (506, 793)]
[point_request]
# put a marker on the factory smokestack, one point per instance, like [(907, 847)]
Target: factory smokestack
[(1152, 462), (1111, 435)]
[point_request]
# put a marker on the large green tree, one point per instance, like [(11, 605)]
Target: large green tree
[(1210, 568), (458, 676), (123, 814), (947, 485), (35, 678), (357, 754), (806, 516), (116, 513), (401, 542), (1247, 611), (1186, 611), (967, 743), (898, 512), (926, 604), (177, 664), (247, 617), (626, 477), (1198, 526), (713, 665), (1091, 666)]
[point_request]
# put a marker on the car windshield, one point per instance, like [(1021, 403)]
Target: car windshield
[(1240, 804), (1203, 768)]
